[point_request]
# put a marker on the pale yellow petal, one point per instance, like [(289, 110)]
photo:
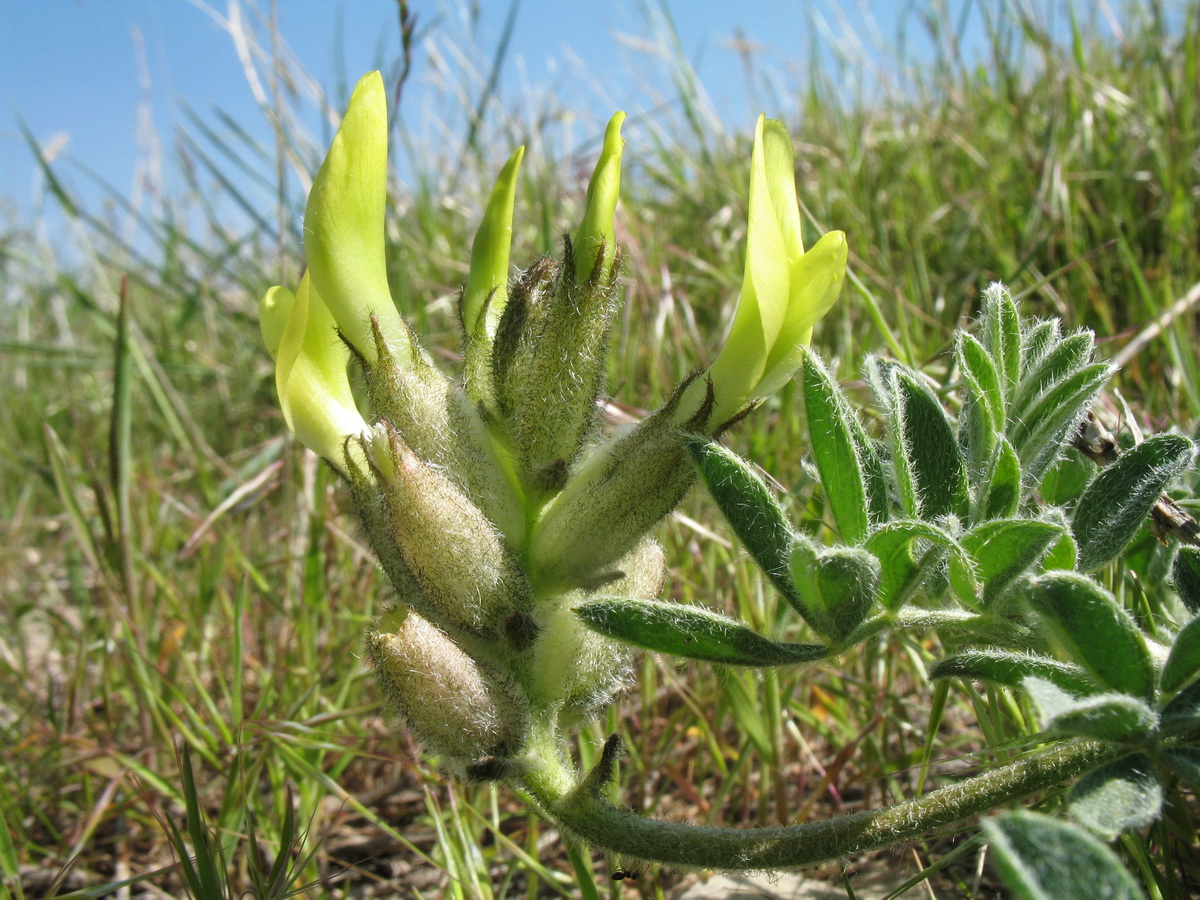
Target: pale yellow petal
[(344, 222)]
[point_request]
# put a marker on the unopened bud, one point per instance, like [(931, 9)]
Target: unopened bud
[(639, 573), (457, 556), (574, 666), (273, 312), (553, 408), (551, 347), (619, 492), (373, 516), (442, 426), (594, 245), (457, 706), (486, 291)]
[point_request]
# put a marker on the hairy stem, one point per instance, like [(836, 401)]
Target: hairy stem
[(586, 815)]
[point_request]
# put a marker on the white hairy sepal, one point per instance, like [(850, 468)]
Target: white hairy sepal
[(617, 493), (548, 365), (466, 573), (442, 426), (553, 405), (572, 665), (458, 707)]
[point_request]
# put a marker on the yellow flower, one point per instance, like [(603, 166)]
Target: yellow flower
[(785, 290), (310, 371), (343, 223)]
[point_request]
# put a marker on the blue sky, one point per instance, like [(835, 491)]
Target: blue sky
[(103, 82), (82, 74)]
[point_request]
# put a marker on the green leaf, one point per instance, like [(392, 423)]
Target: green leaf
[(835, 451), (1039, 436), (204, 871), (1123, 794), (901, 574), (1011, 669), (1059, 363), (1185, 572), (747, 713), (982, 379), (870, 456), (1184, 661), (1095, 631), (1004, 549), (1004, 489), (877, 372), (1184, 762), (965, 625), (1038, 340), (1064, 554), (750, 508), (690, 632), (1107, 717), (925, 439), (837, 586), (982, 418), (1002, 334), (1040, 858), (10, 867), (1067, 478), (1184, 708), (1120, 498)]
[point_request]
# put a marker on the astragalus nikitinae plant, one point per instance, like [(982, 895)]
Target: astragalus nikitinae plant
[(517, 535), (493, 502)]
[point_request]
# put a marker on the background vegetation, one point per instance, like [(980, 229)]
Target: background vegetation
[(177, 575)]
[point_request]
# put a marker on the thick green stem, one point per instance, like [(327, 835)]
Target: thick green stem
[(593, 819)]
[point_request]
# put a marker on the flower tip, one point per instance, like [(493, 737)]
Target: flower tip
[(613, 142), (344, 222), (371, 83), (834, 248), (596, 229), (490, 251)]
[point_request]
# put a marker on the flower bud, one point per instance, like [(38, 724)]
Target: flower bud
[(373, 516), (442, 426), (557, 391), (548, 369), (468, 575), (487, 283), (640, 572), (574, 666), (552, 346), (619, 492), (518, 332), (458, 707), (310, 374), (594, 245), (344, 223)]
